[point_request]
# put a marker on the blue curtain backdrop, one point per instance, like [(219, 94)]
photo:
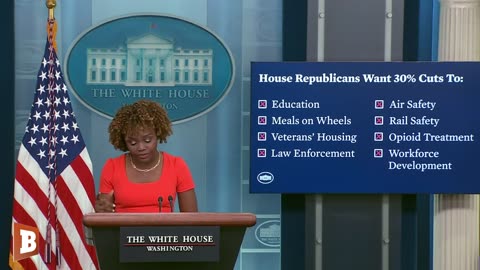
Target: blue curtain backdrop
[(215, 145)]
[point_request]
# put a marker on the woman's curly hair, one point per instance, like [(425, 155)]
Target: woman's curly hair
[(141, 114)]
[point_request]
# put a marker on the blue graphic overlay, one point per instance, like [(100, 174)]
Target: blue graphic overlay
[(365, 127)]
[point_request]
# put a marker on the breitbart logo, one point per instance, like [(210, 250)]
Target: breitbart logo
[(25, 241)]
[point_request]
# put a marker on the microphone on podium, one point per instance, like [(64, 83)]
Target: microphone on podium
[(160, 200), (170, 201)]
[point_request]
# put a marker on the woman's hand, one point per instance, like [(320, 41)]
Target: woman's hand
[(105, 203)]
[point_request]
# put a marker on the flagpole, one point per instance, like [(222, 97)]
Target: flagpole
[(51, 4), (51, 29)]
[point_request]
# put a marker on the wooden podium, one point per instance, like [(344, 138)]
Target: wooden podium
[(105, 232)]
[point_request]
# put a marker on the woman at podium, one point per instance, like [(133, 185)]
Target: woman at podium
[(144, 179)]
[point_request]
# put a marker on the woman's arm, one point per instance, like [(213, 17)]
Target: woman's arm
[(187, 201)]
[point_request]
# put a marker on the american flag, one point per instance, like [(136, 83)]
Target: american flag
[(54, 184)]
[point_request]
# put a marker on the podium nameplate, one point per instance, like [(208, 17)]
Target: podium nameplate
[(170, 244)]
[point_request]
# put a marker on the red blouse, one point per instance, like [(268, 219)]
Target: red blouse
[(143, 197)]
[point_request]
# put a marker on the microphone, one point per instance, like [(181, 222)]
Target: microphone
[(170, 201), (160, 200)]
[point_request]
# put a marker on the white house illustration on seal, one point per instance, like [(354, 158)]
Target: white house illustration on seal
[(149, 60)]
